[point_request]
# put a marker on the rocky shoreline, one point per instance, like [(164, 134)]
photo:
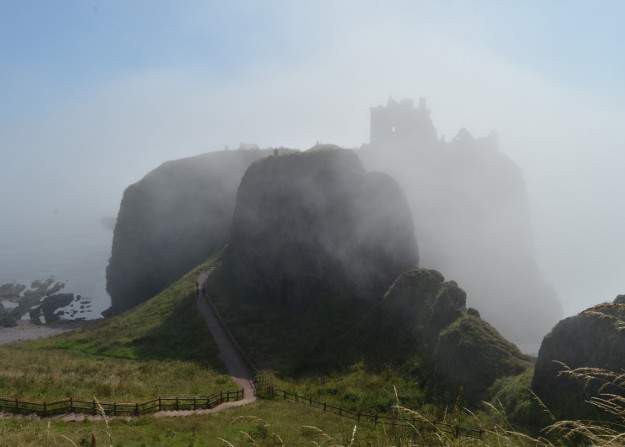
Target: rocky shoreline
[(41, 302)]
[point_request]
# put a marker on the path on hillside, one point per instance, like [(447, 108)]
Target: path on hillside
[(237, 370)]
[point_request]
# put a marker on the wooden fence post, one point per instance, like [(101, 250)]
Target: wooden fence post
[(94, 412), (17, 406), (114, 409), (71, 405), (137, 409), (160, 408), (45, 412)]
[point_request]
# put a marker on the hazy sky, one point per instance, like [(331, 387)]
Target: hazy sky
[(93, 95)]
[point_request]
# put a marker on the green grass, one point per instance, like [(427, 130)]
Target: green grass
[(160, 348), (163, 348), (265, 423)]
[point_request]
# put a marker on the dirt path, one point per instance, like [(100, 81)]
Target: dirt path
[(235, 366), (238, 371)]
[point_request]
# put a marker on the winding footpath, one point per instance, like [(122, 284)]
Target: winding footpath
[(237, 370), (235, 366)]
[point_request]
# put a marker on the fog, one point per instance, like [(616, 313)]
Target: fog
[(96, 95)]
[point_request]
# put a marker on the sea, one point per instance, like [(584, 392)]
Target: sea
[(78, 259)]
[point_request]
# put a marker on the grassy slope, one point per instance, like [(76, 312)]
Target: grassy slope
[(320, 354), (160, 348), (163, 348)]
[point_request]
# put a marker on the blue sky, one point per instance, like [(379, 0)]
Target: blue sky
[(55, 49), (94, 94)]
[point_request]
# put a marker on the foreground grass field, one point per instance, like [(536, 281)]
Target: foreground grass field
[(264, 423)]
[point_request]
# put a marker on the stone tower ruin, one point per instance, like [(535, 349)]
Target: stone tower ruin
[(401, 124)]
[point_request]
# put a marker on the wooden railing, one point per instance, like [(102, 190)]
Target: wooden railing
[(262, 383), (392, 420), (47, 409)]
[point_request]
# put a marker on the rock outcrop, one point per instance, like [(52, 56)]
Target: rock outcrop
[(471, 216), (42, 296), (317, 224), (463, 350), (174, 218), (591, 339)]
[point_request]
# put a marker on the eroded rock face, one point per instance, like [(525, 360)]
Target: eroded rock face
[(171, 220), (315, 223), (590, 339), (463, 349)]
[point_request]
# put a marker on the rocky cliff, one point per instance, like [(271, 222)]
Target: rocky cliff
[(171, 220), (462, 350), (316, 223), (592, 339), (325, 252), (471, 216)]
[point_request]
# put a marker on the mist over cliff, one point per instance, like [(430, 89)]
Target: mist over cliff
[(171, 220), (471, 215), (317, 224)]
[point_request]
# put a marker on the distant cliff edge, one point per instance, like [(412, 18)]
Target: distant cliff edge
[(171, 220)]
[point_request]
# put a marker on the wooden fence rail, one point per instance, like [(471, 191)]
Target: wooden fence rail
[(262, 383), (455, 430), (71, 405)]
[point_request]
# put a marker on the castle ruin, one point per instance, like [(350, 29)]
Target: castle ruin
[(400, 123)]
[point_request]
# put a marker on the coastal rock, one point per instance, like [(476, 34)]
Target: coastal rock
[(29, 300), (590, 339), (317, 224), (6, 319), (171, 220), (464, 350), (50, 304)]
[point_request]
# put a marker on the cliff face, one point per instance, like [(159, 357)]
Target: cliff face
[(471, 217), (592, 339), (328, 251), (316, 224), (171, 220)]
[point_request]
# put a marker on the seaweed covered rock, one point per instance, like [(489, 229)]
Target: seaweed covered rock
[(171, 220), (315, 224), (591, 339), (463, 349)]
